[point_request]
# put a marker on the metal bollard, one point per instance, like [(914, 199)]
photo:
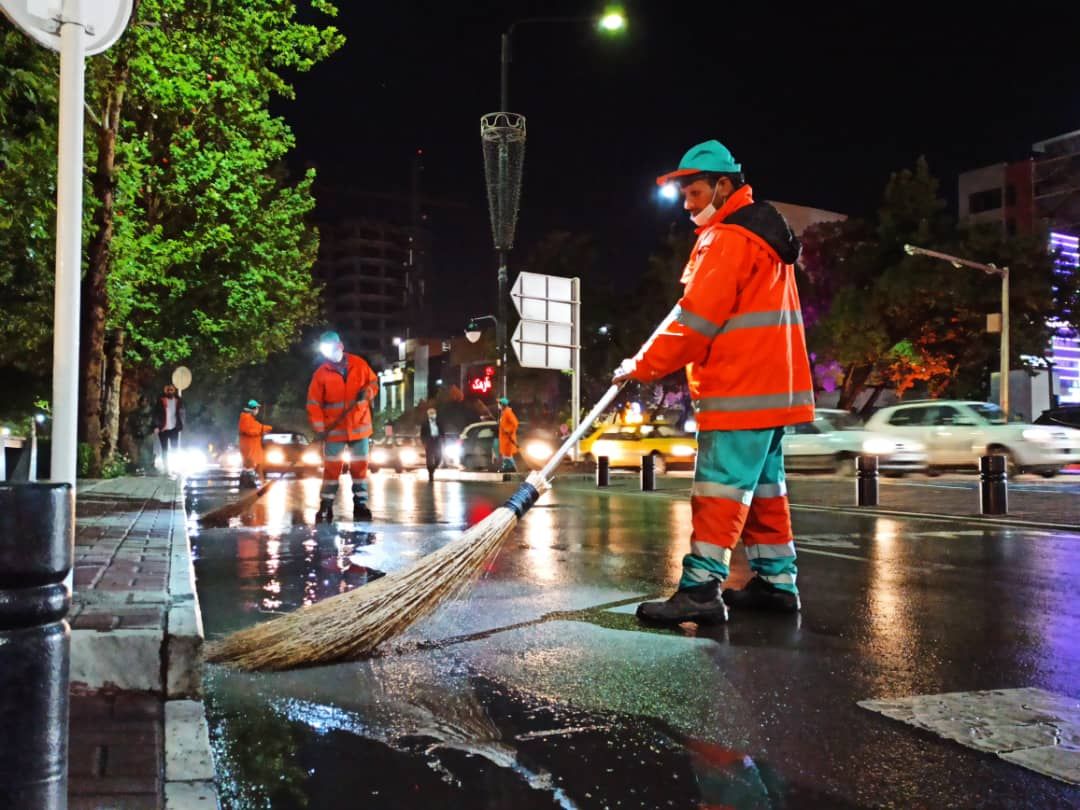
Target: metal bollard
[(603, 471), (866, 481), (648, 474), (37, 535), (994, 485)]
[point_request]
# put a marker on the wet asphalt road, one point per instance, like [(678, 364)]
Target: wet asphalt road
[(541, 690)]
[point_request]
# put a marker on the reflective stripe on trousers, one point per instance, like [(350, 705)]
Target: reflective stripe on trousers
[(739, 491), (334, 463)]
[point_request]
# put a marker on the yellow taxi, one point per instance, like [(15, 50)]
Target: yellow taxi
[(625, 445)]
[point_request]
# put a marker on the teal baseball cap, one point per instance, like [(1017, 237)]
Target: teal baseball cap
[(710, 156), (253, 403), (330, 337)]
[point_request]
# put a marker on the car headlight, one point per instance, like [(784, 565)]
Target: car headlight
[(1038, 435), (601, 449), (878, 446), (452, 451), (311, 457), (536, 449), (380, 456), (683, 450), (275, 456), (690, 426), (233, 459), (409, 456)]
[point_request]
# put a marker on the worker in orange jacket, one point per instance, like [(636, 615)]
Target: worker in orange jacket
[(738, 332), (339, 408), (251, 431), (508, 445)]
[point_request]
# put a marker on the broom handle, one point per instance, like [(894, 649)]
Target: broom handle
[(583, 427), (598, 409)]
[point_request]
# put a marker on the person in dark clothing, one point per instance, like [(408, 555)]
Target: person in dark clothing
[(432, 432), (168, 422)]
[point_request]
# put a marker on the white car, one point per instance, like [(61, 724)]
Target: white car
[(957, 433), (835, 438)]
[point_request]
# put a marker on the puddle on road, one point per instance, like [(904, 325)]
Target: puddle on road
[(411, 734)]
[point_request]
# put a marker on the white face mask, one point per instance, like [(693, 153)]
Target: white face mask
[(337, 354), (706, 213)]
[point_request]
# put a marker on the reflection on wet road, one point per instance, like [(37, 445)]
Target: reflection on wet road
[(541, 690)]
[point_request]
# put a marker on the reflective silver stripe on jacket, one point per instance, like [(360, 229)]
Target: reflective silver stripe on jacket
[(696, 322), (329, 405), (770, 490), (314, 402), (749, 320), (761, 402), (707, 489)]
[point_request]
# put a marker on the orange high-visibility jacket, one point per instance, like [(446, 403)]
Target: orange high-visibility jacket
[(333, 387), (251, 432), (738, 327), (508, 425)]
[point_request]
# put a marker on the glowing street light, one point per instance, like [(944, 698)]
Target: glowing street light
[(613, 20)]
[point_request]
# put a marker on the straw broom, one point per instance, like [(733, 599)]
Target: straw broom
[(353, 624)]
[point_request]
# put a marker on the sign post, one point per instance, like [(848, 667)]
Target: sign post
[(549, 332)]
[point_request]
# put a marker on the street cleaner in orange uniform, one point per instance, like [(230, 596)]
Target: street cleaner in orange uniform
[(738, 331), (339, 408), (251, 431)]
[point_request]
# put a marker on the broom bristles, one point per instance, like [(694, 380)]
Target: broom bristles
[(353, 624)]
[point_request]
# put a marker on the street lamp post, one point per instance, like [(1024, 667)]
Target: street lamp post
[(992, 270), (506, 128)]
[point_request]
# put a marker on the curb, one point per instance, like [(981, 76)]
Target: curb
[(189, 760)]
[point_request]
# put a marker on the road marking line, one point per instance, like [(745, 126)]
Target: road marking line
[(1029, 727)]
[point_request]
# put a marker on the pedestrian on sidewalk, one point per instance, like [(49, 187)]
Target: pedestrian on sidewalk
[(339, 407), (508, 445), (738, 331), (432, 432), (251, 449), (168, 423)]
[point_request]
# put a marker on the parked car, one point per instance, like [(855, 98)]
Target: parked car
[(475, 447), (836, 438), (397, 453), (1065, 416), (291, 453), (956, 433), (626, 445)]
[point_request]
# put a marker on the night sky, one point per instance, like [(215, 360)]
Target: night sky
[(819, 106)]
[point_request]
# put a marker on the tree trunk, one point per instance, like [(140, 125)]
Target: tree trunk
[(114, 377), (134, 413), (95, 304), (854, 382)]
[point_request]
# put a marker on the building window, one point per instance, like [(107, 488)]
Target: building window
[(981, 201)]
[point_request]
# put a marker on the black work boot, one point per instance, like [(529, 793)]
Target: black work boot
[(360, 510), (758, 594), (326, 512), (700, 603)]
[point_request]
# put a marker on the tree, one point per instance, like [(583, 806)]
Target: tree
[(28, 98), (198, 248), (877, 318)]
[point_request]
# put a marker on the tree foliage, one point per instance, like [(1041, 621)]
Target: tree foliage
[(210, 255), (878, 318)]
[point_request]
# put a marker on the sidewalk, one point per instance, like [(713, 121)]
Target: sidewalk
[(138, 729)]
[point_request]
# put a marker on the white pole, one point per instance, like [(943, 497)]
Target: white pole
[(575, 379), (68, 245), (1004, 387)]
